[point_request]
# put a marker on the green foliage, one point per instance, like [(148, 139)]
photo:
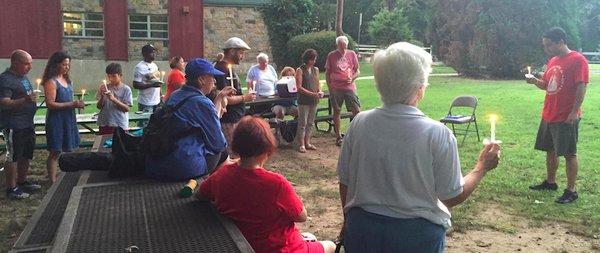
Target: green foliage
[(489, 38), (323, 42), (388, 27), (590, 27), (285, 19), (352, 10), (419, 14)]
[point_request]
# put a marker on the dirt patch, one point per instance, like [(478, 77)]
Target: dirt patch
[(314, 177)]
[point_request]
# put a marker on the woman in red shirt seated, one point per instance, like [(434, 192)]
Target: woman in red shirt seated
[(262, 204)]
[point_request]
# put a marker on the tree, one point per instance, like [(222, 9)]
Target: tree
[(489, 38), (339, 18), (285, 19), (388, 27)]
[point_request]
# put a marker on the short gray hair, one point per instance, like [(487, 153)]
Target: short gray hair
[(262, 56), (400, 71), (341, 38)]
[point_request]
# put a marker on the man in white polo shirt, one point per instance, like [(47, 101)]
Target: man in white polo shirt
[(147, 79)]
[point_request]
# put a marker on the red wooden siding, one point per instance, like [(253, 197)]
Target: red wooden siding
[(186, 30), (115, 30), (32, 25)]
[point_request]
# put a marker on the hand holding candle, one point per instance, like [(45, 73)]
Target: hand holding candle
[(529, 75)]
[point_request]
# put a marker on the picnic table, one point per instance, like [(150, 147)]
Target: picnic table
[(324, 113), (87, 121), (86, 211)]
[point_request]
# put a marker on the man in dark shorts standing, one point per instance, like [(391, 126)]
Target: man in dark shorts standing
[(18, 105), (341, 69), (565, 82), (233, 51)]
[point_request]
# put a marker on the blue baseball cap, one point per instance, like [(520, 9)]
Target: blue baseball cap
[(199, 67)]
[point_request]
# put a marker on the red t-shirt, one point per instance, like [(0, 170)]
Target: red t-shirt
[(339, 67), (262, 205), (176, 76), (561, 77)]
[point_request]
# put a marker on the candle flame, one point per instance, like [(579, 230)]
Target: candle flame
[(493, 117), (104, 82), (38, 81)]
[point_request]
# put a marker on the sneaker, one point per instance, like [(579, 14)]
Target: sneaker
[(567, 197), (544, 186), (29, 186), (16, 193)]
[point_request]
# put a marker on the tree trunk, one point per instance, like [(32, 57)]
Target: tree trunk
[(390, 4), (339, 18)]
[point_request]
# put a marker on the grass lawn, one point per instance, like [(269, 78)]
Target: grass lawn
[(518, 105)]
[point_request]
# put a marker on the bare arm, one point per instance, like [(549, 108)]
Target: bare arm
[(488, 160), (143, 86), (120, 105), (9, 104), (579, 95), (302, 217), (541, 84)]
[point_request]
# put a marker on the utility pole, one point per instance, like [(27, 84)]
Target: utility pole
[(359, 25)]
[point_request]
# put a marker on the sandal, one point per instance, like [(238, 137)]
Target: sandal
[(338, 141), (311, 147), (302, 149)]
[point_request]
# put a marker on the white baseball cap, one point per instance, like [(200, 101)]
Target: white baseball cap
[(235, 42)]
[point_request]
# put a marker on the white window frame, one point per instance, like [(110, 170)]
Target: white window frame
[(148, 29), (84, 21)]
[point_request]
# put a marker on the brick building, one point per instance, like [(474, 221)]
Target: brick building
[(96, 32)]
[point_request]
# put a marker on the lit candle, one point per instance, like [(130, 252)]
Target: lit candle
[(38, 81), (493, 119), (230, 74), (162, 76), (105, 87), (529, 70), (82, 94)]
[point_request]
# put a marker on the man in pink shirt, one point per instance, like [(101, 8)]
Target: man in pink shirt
[(341, 69)]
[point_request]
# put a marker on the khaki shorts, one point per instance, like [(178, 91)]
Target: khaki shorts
[(348, 97)]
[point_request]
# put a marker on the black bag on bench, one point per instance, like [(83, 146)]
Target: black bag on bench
[(128, 159), (70, 162)]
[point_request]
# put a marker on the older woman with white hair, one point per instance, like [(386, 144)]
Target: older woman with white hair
[(261, 78), (399, 170)]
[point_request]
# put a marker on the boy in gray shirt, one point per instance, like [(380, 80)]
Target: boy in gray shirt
[(114, 100)]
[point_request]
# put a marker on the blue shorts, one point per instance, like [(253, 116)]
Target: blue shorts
[(369, 232)]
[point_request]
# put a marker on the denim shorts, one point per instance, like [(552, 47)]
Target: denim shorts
[(369, 232)]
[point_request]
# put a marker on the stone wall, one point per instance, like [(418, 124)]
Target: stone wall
[(223, 22), (83, 48)]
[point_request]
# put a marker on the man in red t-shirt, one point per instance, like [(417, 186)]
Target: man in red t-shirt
[(565, 82), (341, 69)]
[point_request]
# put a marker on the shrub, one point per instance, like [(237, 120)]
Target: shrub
[(285, 19), (323, 42), (388, 27)]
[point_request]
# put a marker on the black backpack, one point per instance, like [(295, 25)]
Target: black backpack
[(159, 139), (288, 130)]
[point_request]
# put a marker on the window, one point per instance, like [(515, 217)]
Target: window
[(148, 26), (83, 25)]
